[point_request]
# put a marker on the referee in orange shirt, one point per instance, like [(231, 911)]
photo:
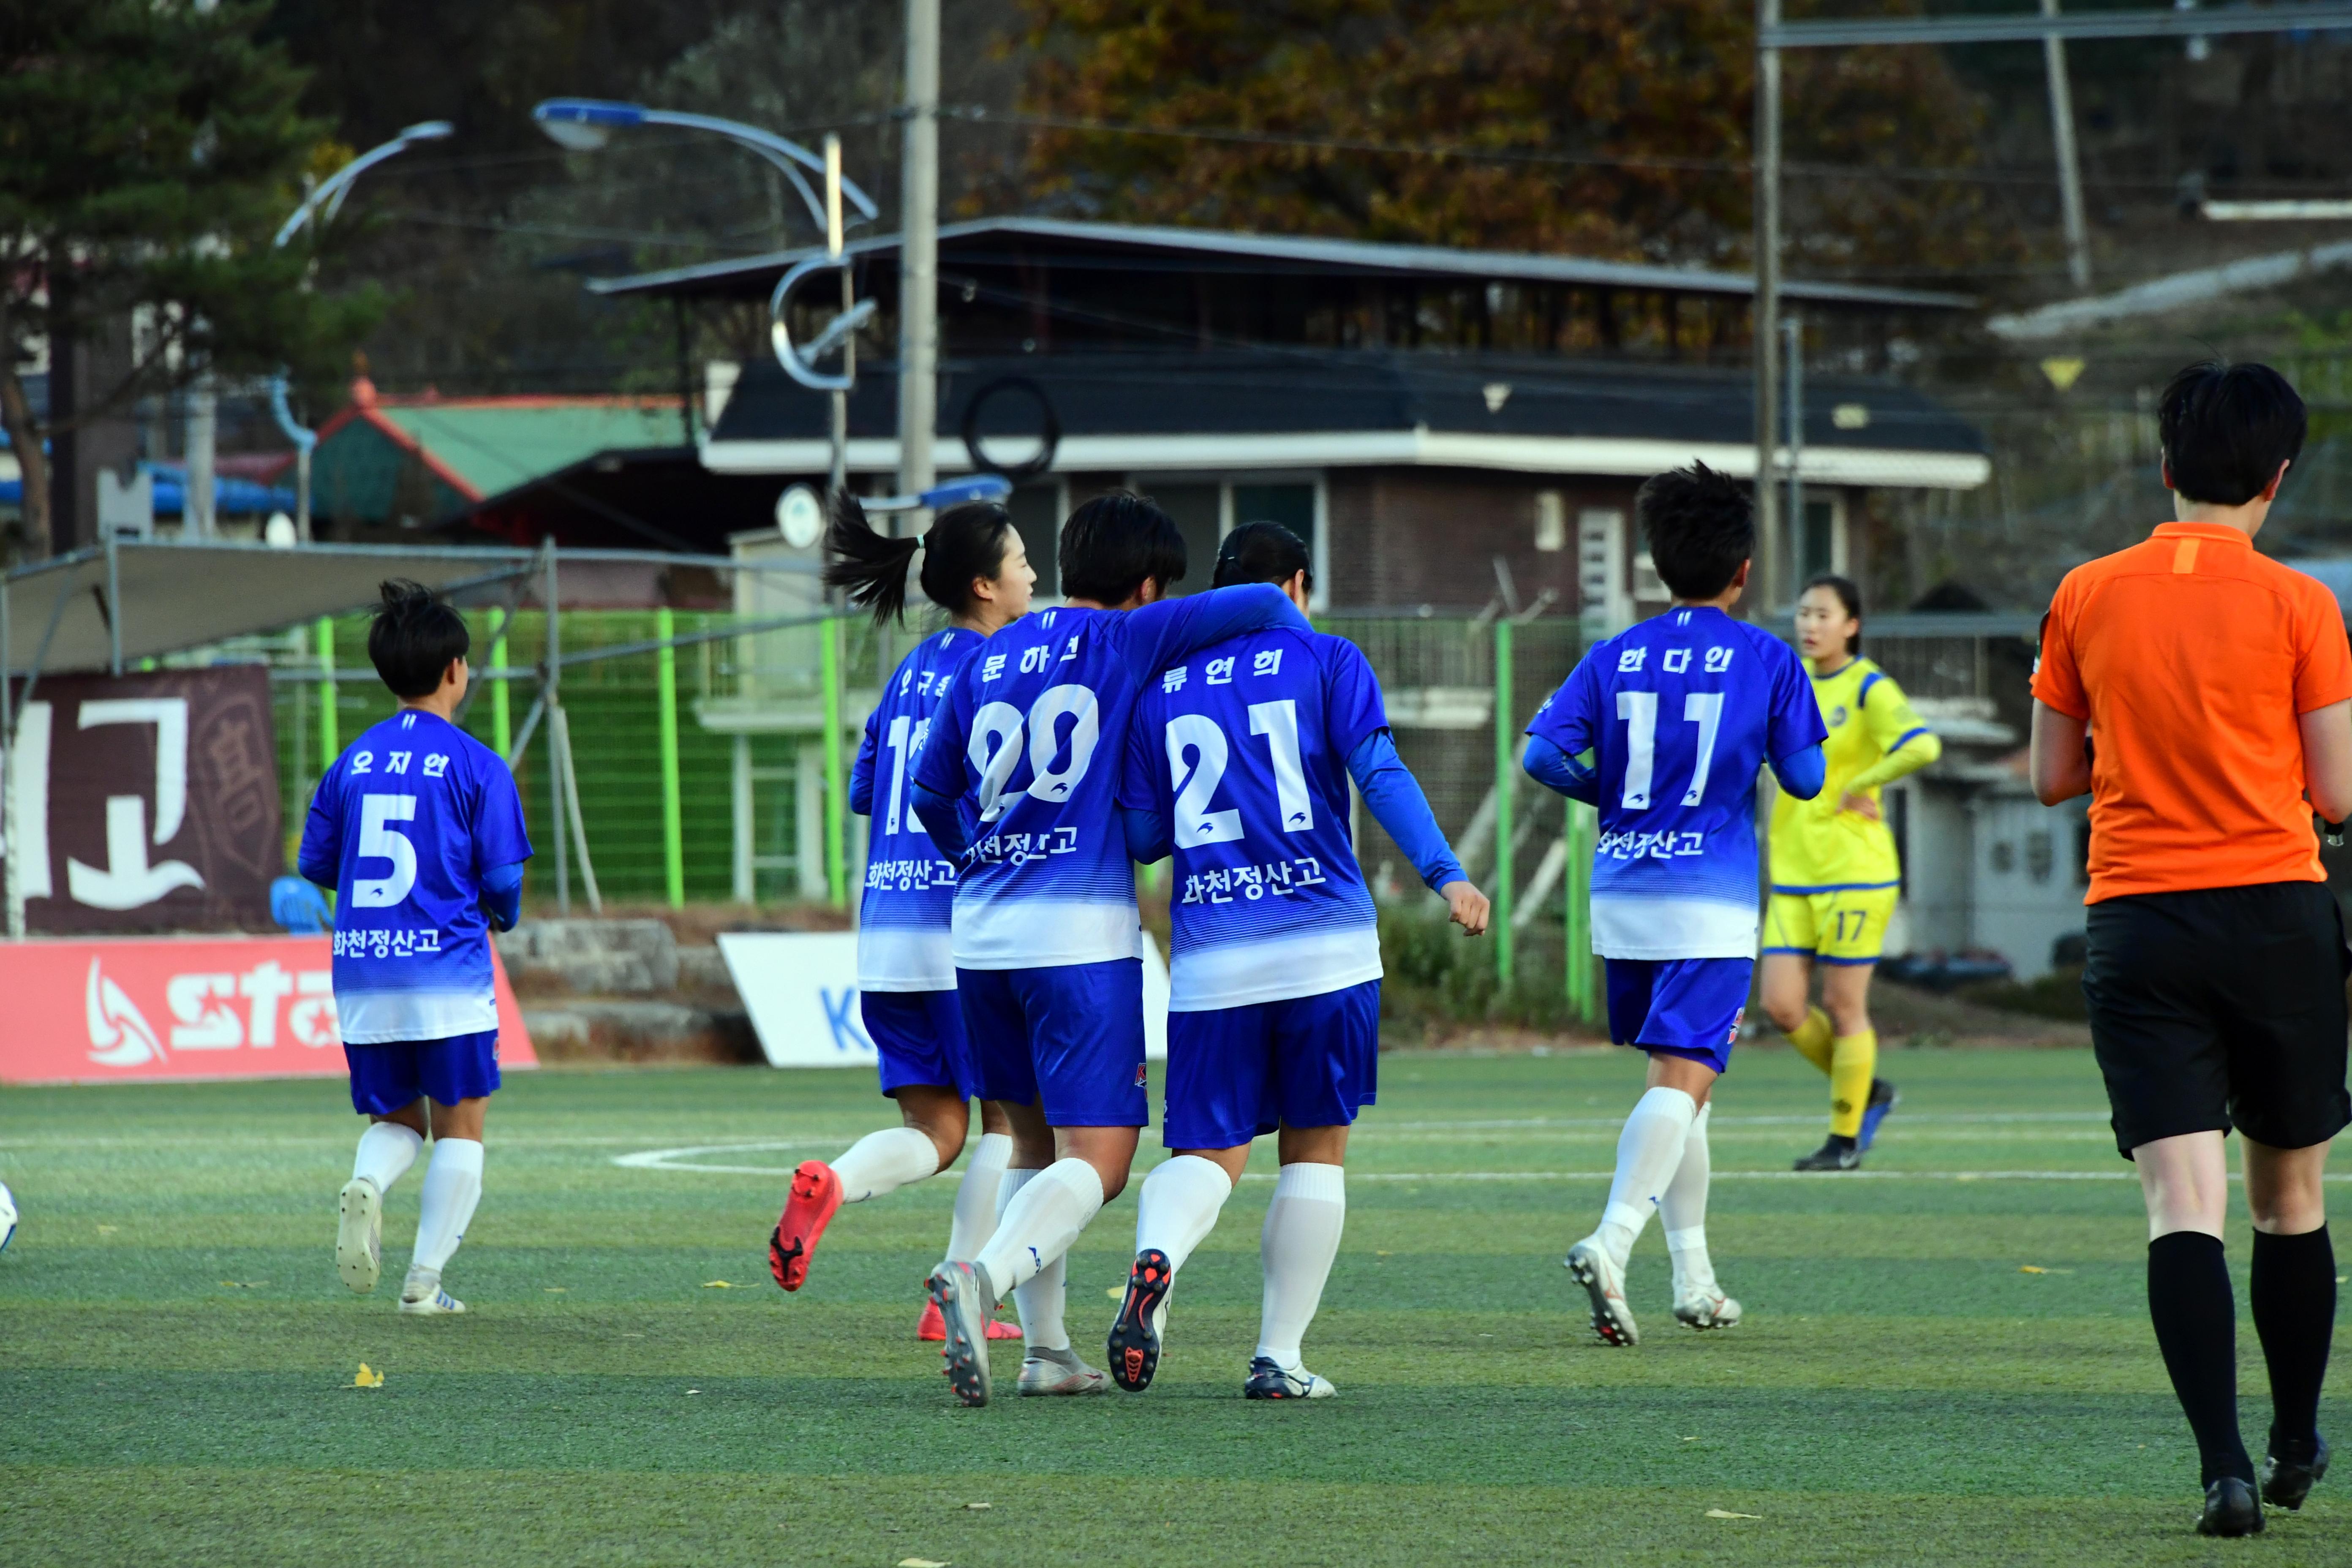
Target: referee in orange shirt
[(2213, 688)]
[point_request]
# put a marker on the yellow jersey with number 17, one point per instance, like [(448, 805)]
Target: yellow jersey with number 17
[(1816, 848)]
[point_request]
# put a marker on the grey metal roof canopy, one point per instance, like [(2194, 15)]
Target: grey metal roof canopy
[(100, 607)]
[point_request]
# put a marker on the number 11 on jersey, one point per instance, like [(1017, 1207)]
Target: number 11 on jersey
[(1638, 710)]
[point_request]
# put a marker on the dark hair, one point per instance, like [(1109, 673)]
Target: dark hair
[(1262, 552), (964, 542), (2226, 428), (1848, 595), (1700, 524), (1115, 543), (414, 638)]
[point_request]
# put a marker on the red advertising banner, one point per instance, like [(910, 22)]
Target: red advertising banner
[(127, 1010)]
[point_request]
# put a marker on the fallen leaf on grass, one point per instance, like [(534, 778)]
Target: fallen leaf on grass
[(717, 1284), (1115, 1293), (919, 1563), (108, 1229), (694, 1391), (975, 1506), (368, 1377), (1724, 1513), (2032, 1268), (1691, 1439), (555, 1290)]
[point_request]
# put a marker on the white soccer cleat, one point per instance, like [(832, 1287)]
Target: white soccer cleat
[(421, 1296), (966, 1298), (359, 1235), (1707, 1309), (1269, 1379), (1590, 1265), (1050, 1373)]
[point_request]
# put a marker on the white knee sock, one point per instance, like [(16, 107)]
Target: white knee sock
[(387, 1151), (1682, 1209), (453, 1185), (976, 1197), (1039, 1303), (1302, 1237), (882, 1163), (1179, 1207), (1648, 1152), (1041, 1222)]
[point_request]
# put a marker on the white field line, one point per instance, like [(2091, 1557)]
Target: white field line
[(683, 1159)]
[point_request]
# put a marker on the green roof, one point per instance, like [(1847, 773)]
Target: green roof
[(379, 457)]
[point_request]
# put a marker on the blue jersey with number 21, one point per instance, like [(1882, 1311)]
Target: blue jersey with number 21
[(1680, 711), (1240, 754), (412, 815)]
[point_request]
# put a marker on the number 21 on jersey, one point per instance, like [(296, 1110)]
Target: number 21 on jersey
[(1196, 783)]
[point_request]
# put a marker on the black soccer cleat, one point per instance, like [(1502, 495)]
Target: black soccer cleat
[(2286, 1483), (2230, 1510), (1836, 1155), (1135, 1332)]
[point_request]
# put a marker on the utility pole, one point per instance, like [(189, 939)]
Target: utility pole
[(1764, 327), (918, 252), (2070, 169), (1792, 327), (196, 520), (837, 478)]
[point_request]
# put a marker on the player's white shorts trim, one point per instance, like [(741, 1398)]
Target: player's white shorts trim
[(1272, 969), (380, 1018), (1044, 933), (905, 958), (1673, 927)]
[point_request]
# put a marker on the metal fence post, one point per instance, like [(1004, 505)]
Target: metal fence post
[(330, 741), (1577, 889), (673, 806), (836, 788), (1499, 927), (501, 717)]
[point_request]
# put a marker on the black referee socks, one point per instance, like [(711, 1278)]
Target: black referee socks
[(2196, 1321), (2294, 1313)]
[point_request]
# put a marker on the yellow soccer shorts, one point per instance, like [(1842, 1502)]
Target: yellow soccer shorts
[(1847, 925)]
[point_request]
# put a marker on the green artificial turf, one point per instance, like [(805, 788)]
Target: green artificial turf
[(177, 1352)]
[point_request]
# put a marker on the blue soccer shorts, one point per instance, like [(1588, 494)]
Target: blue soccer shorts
[(920, 1037), (1687, 1007), (1069, 1038), (1236, 1073), (390, 1077)]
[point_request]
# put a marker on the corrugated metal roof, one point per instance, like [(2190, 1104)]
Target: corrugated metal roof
[(473, 446), (757, 274)]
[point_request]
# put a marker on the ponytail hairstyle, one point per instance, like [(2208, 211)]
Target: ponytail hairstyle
[(1849, 596), (414, 638), (964, 542)]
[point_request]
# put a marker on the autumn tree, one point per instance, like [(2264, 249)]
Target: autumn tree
[(149, 150), (1604, 128)]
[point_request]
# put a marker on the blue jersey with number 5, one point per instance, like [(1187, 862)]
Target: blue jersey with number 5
[(1030, 740), (1680, 711), (1240, 754), (902, 921), (412, 815)]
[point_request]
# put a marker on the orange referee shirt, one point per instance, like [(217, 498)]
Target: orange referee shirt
[(2192, 657)]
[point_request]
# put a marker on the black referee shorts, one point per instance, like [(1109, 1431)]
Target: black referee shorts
[(2221, 1007)]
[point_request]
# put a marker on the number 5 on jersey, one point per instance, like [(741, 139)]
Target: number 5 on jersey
[(1640, 712), (381, 841)]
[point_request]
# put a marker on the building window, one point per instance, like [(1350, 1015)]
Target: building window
[(1206, 511), (1036, 511)]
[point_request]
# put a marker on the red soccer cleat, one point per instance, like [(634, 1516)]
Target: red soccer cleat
[(934, 1327), (816, 1195)]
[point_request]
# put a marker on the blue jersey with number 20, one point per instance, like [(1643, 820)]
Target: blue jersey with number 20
[(1680, 711), (412, 815)]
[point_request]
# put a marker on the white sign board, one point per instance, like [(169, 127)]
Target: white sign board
[(801, 989)]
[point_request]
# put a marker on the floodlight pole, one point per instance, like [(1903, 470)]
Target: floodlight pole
[(1765, 320), (2070, 168), (837, 479), (919, 253)]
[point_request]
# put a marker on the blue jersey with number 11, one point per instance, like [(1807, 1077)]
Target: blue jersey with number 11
[(1679, 712), (902, 922)]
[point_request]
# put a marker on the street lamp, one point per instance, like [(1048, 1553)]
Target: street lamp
[(585, 124), (325, 200)]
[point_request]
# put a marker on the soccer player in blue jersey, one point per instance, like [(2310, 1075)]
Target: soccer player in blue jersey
[(418, 830), (1663, 727), (975, 569), (1018, 778), (1238, 764)]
